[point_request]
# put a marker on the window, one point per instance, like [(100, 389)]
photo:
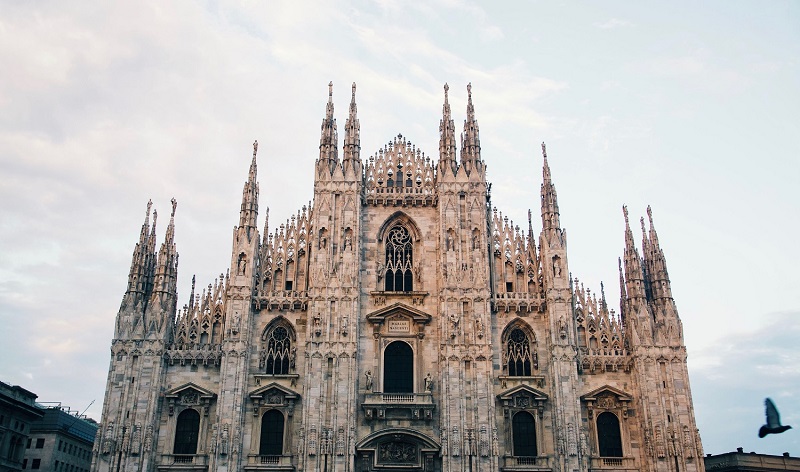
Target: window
[(608, 435), (524, 432), (186, 432), (277, 355), (399, 264), (29, 443), (39, 443), (24, 463), (398, 368), (271, 434), (518, 354), (36, 463)]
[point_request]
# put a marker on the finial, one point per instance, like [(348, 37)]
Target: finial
[(650, 215), (469, 89), (255, 147), (330, 88), (625, 212), (544, 150), (641, 220), (149, 206), (174, 205), (354, 90)]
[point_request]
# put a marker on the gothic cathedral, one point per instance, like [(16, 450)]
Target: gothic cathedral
[(398, 323)]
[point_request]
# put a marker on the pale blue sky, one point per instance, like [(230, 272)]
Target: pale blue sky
[(691, 107)]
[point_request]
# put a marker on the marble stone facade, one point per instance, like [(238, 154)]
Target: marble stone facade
[(399, 323)]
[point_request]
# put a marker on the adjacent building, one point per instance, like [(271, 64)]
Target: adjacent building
[(400, 322), (60, 441), (17, 411), (740, 461)]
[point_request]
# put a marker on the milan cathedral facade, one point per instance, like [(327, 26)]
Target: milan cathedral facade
[(399, 323)]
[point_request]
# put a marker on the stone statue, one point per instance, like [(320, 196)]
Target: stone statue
[(368, 383), (428, 383)]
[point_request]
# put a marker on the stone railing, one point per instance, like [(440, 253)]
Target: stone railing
[(613, 463), (269, 462), (183, 462), (413, 406), (527, 463)]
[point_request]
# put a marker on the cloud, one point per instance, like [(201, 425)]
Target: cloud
[(612, 23)]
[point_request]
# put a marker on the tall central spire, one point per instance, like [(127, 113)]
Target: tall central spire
[(550, 215), (329, 138), (249, 210)]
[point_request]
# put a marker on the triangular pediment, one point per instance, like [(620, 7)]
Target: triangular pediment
[(607, 390), (399, 309), (273, 389), (524, 390), (188, 388)]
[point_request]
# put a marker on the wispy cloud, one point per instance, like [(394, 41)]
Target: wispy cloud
[(612, 23)]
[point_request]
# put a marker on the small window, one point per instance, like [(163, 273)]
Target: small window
[(29, 444), (609, 438), (524, 432), (39, 443), (509, 286), (288, 285), (186, 432), (24, 463), (398, 368), (271, 434), (36, 463)]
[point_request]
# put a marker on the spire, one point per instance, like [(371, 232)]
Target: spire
[(470, 139), (140, 275), (623, 296), (550, 215), (447, 136), (633, 263), (249, 209), (166, 274), (352, 138), (656, 262), (329, 139)]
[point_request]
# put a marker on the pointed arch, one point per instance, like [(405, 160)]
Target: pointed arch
[(278, 347), (520, 357), (399, 218)]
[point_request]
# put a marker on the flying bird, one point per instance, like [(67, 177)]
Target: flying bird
[(773, 425)]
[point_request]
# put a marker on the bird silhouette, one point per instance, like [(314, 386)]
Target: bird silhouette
[(773, 425)]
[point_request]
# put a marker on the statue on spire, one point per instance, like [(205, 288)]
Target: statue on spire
[(255, 147)]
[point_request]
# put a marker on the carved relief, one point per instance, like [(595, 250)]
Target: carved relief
[(397, 452)]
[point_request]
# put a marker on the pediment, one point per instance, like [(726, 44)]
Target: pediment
[(525, 390), (272, 390), (606, 390), (399, 309), (189, 388)]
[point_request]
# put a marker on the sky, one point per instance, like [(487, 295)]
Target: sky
[(690, 107)]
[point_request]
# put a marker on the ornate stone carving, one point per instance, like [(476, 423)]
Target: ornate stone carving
[(397, 452)]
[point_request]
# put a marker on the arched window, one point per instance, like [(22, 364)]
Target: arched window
[(609, 440), (524, 432), (186, 432), (271, 434), (518, 354), (399, 263), (277, 355), (398, 368)]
